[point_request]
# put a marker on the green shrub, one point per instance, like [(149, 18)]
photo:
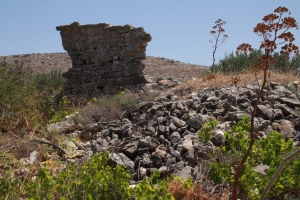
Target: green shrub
[(49, 82), (14, 90), (61, 110), (285, 64), (10, 186), (206, 131), (153, 188), (13, 176), (26, 98), (233, 63), (266, 156), (92, 180), (241, 63)]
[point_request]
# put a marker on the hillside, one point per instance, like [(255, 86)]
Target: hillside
[(156, 129), (45, 62)]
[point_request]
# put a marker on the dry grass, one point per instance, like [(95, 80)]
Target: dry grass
[(94, 113), (107, 108), (180, 191), (19, 147), (220, 80), (158, 67), (14, 151)]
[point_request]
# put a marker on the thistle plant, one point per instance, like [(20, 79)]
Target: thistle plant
[(274, 30), (220, 37)]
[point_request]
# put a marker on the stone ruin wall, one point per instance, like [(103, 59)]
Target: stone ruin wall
[(104, 58)]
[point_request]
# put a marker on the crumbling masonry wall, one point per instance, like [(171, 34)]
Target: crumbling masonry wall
[(103, 57)]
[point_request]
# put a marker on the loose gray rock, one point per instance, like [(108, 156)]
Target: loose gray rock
[(161, 129), (175, 137), (235, 116), (286, 127), (131, 149), (289, 102), (120, 159), (179, 123), (187, 172), (218, 139), (265, 112), (159, 153), (62, 127), (142, 172), (142, 150), (164, 171), (196, 122), (287, 110), (187, 145)]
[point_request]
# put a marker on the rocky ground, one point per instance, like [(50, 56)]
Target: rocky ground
[(162, 133)]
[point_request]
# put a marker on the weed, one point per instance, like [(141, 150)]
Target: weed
[(26, 98), (217, 32), (107, 108)]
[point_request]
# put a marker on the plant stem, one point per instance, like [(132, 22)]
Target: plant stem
[(252, 137)]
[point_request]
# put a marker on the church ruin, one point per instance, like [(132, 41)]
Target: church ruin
[(104, 57)]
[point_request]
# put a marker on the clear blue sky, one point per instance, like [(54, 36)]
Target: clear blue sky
[(180, 29)]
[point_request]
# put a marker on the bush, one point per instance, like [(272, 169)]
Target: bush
[(49, 82), (234, 64), (60, 111), (14, 91), (266, 156), (26, 98), (92, 180), (108, 108), (285, 64)]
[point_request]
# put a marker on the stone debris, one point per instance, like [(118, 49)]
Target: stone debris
[(164, 133)]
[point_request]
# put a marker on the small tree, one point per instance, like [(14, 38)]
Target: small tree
[(274, 31), (220, 37)]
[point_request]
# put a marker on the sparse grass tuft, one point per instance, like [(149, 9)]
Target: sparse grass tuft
[(107, 108), (177, 71), (188, 190)]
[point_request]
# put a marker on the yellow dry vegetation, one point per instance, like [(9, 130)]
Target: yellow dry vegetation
[(220, 80)]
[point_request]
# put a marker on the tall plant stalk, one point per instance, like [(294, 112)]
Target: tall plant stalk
[(220, 37), (274, 32)]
